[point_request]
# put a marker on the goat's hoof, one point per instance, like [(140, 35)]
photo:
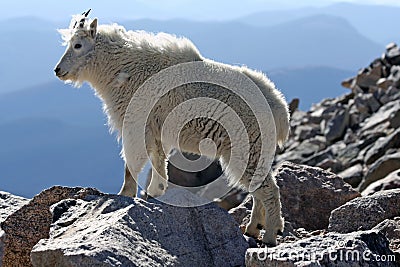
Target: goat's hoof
[(269, 237), (269, 242), (155, 192), (252, 232)]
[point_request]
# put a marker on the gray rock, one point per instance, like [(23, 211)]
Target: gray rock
[(362, 248), (348, 156), (328, 107), (368, 77), (182, 198), (26, 226), (392, 54), (392, 181), (304, 132), (338, 147), (361, 158), (336, 127), (251, 241), (297, 151), (354, 153), (391, 229), (317, 115), (391, 94), (318, 157), (291, 144), (380, 92), (294, 105), (383, 129), (319, 140), (2, 238), (348, 83), (297, 117), (242, 211), (119, 231), (360, 104), (370, 138), (380, 169), (382, 145), (381, 116), (333, 165), (307, 148), (394, 119), (390, 46), (292, 156), (8, 204), (384, 83), (307, 191), (365, 212), (352, 175), (356, 117), (366, 103), (350, 136)]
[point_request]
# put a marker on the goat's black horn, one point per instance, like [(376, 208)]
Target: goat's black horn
[(87, 12)]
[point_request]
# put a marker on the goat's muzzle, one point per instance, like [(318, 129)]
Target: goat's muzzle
[(57, 70)]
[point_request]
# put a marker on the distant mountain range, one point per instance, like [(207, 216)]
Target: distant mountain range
[(53, 100), (31, 46), (52, 134), (319, 40), (376, 22)]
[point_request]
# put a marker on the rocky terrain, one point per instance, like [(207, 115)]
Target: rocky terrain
[(8, 205), (356, 136), (339, 178)]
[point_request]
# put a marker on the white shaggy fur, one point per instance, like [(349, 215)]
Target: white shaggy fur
[(117, 62)]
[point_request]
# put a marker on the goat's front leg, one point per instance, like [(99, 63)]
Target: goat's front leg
[(129, 187)]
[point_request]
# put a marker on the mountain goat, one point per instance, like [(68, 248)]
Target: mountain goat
[(116, 63)]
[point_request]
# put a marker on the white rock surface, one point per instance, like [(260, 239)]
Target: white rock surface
[(120, 231)]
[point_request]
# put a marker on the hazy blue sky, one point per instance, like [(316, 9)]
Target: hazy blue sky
[(159, 9)]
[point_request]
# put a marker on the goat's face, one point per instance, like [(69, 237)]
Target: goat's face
[(80, 49)]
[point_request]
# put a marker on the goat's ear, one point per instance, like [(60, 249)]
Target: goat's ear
[(93, 28)]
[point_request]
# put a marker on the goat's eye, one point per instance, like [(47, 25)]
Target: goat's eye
[(77, 46)]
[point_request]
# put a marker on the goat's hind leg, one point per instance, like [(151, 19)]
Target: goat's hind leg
[(159, 180), (257, 219), (267, 195)]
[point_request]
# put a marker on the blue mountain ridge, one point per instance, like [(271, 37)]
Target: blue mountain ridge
[(30, 53)]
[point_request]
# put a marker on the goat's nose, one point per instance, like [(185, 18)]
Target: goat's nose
[(56, 70)]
